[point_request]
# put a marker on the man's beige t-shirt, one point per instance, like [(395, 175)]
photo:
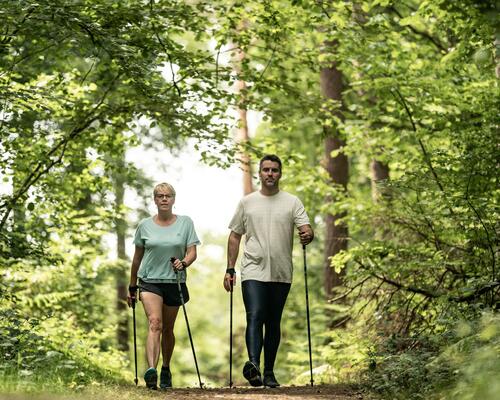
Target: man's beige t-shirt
[(268, 223)]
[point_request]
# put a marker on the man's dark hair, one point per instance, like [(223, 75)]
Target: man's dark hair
[(270, 157)]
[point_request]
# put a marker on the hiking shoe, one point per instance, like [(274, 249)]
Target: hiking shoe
[(251, 373), (270, 379), (151, 378), (165, 378)]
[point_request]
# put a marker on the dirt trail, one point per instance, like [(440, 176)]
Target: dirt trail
[(118, 392), (322, 392)]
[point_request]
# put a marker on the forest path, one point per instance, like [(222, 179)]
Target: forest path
[(320, 392)]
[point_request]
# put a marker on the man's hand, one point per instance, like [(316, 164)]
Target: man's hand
[(306, 234), (229, 279), (132, 295)]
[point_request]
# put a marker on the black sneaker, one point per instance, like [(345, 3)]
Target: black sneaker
[(165, 378), (151, 378), (251, 373), (270, 379)]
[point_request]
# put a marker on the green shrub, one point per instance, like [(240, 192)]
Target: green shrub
[(50, 355), (399, 368), (475, 359)]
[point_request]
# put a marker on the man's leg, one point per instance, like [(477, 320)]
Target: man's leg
[(254, 298), (277, 295), (167, 344), (153, 304)]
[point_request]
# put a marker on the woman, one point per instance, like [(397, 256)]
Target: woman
[(157, 240)]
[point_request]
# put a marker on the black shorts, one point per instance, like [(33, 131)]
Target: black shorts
[(168, 291)]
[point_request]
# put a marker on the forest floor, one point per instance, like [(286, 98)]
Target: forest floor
[(321, 392)]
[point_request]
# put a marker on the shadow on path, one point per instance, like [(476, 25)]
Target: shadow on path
[(125, 392)]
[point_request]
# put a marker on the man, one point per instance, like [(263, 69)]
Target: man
[(267, 218)]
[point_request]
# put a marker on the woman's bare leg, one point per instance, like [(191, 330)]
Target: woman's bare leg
[(167, 337), (153, 305)]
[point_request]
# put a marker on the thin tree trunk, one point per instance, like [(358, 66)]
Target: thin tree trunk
[(379, 172), (242, 136), (338, 170), (122, 332), (497, 53)]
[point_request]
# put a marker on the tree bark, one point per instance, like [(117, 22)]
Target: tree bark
[(379, 172), (242, 136), (122, 331), (497, 53), (338, 171)]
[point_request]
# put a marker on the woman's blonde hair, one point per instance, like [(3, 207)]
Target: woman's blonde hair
[(164, 186)]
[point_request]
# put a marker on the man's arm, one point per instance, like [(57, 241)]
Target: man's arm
[(233, 248), (306, 234)]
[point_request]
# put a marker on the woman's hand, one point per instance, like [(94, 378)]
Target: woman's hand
[(132, 295), (177, 264)]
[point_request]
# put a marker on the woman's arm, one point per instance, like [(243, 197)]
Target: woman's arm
[(136, 263), (189, 258)]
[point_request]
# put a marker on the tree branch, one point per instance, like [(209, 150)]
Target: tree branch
[(30, 11), (42, 168), (422, 147), (435, 294), (320, 3), (493, 265), (151, 4), (478, 292), (424, 34), (411, 289), (348, 292)]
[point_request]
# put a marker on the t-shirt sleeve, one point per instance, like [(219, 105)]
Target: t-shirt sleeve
[(138, 240), (237, 223), (300, 217), (192, 237)]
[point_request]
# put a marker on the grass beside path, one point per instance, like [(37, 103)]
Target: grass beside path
[(114, 392)]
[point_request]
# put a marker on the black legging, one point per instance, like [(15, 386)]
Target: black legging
[(264, 302)]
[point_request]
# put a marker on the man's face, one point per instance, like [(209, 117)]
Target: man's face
[(270, 174)]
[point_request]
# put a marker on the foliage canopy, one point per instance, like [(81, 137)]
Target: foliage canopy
[(83, 82)]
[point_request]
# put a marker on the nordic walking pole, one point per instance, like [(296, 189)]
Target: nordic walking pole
[(231, 332), (135, 337), (172, 260), (307, 313)]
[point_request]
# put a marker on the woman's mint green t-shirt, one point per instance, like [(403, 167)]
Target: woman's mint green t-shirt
[(162, 243)]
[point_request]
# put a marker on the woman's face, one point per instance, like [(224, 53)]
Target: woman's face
[(164, 200)]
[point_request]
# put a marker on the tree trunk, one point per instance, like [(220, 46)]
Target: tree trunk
[(242, 137), (379, 172), (338, 170), (497, 53), (122, 332)]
